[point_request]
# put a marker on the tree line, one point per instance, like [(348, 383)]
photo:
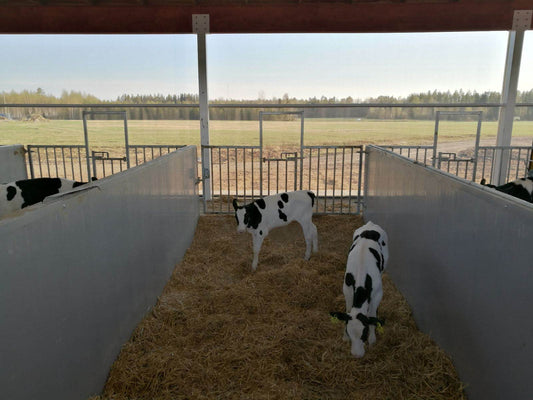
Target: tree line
[(252, 114)]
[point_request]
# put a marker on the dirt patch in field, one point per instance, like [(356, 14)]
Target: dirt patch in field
[(221, 331)]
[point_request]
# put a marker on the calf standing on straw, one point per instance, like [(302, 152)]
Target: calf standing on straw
[(363, 287), (270, 212)]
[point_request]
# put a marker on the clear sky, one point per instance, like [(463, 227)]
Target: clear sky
[(260, 66)]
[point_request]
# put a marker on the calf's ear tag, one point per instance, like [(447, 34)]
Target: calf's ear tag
[(334, 320), (379, 328)]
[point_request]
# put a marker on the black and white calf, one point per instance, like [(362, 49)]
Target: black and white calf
[(270, 212), (521, 188), (23, 193), (363, 288)]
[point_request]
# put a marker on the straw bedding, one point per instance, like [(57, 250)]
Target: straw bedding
[(220, 331)]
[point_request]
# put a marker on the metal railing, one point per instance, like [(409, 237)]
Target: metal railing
[(333, 173), (465, 167), (70, 161), (421, 154)]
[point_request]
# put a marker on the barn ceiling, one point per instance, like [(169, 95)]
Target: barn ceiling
[(257, 16)]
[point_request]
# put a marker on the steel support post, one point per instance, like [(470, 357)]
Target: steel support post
[(204, 115), (204, 109), (509, 90)]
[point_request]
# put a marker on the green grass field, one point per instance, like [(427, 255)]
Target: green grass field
[(276, 133)]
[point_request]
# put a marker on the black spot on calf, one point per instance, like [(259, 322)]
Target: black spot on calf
[(252, 217), (261, 203), (372, 235), (312, 195), (378, 257), (11, 192), (349, 279), (280, 204), (282, 215), (35, 190), (364, 321), (285, 197), (368, 285), (360, 296)]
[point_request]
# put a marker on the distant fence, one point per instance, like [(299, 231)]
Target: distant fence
[(481, 167), (334, 173), (470, 166), (71, 162)]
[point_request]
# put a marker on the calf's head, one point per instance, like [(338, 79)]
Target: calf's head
[(357, 328), (240, 216)]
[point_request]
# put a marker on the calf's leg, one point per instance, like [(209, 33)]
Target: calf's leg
[(258, 241), (311, 238), (372, 312)]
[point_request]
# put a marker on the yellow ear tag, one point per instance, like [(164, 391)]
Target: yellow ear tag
[(379, 328), (334, 320)]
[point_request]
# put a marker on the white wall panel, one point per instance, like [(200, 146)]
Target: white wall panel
[(78, 273), (462, 255), (12, 163)]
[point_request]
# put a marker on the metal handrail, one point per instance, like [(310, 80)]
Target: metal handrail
[(271, 105)]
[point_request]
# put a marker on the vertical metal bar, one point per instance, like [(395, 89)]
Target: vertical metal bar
[(361, 155), (79, 164), (86, 135), (244, 171), (236, 174), (334, 177), (30, 159), (277, 176), (261, 154), (64, 164), (94, 166), (126, 139), (342, 176), (484, 163), (326, 179), (204, 109), (220, 176), (518, 162), (435, 137), (72, 164), (228, 183), (301, 152), (268, 177), (318, 177), (509, 158), (40, 163), (296, 173), (212, 181), (492, 165), (47, 161), (310, 170), (286, 174), (476, 148), (351, 179), (253, 194), (55, 162), (136, 156)]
